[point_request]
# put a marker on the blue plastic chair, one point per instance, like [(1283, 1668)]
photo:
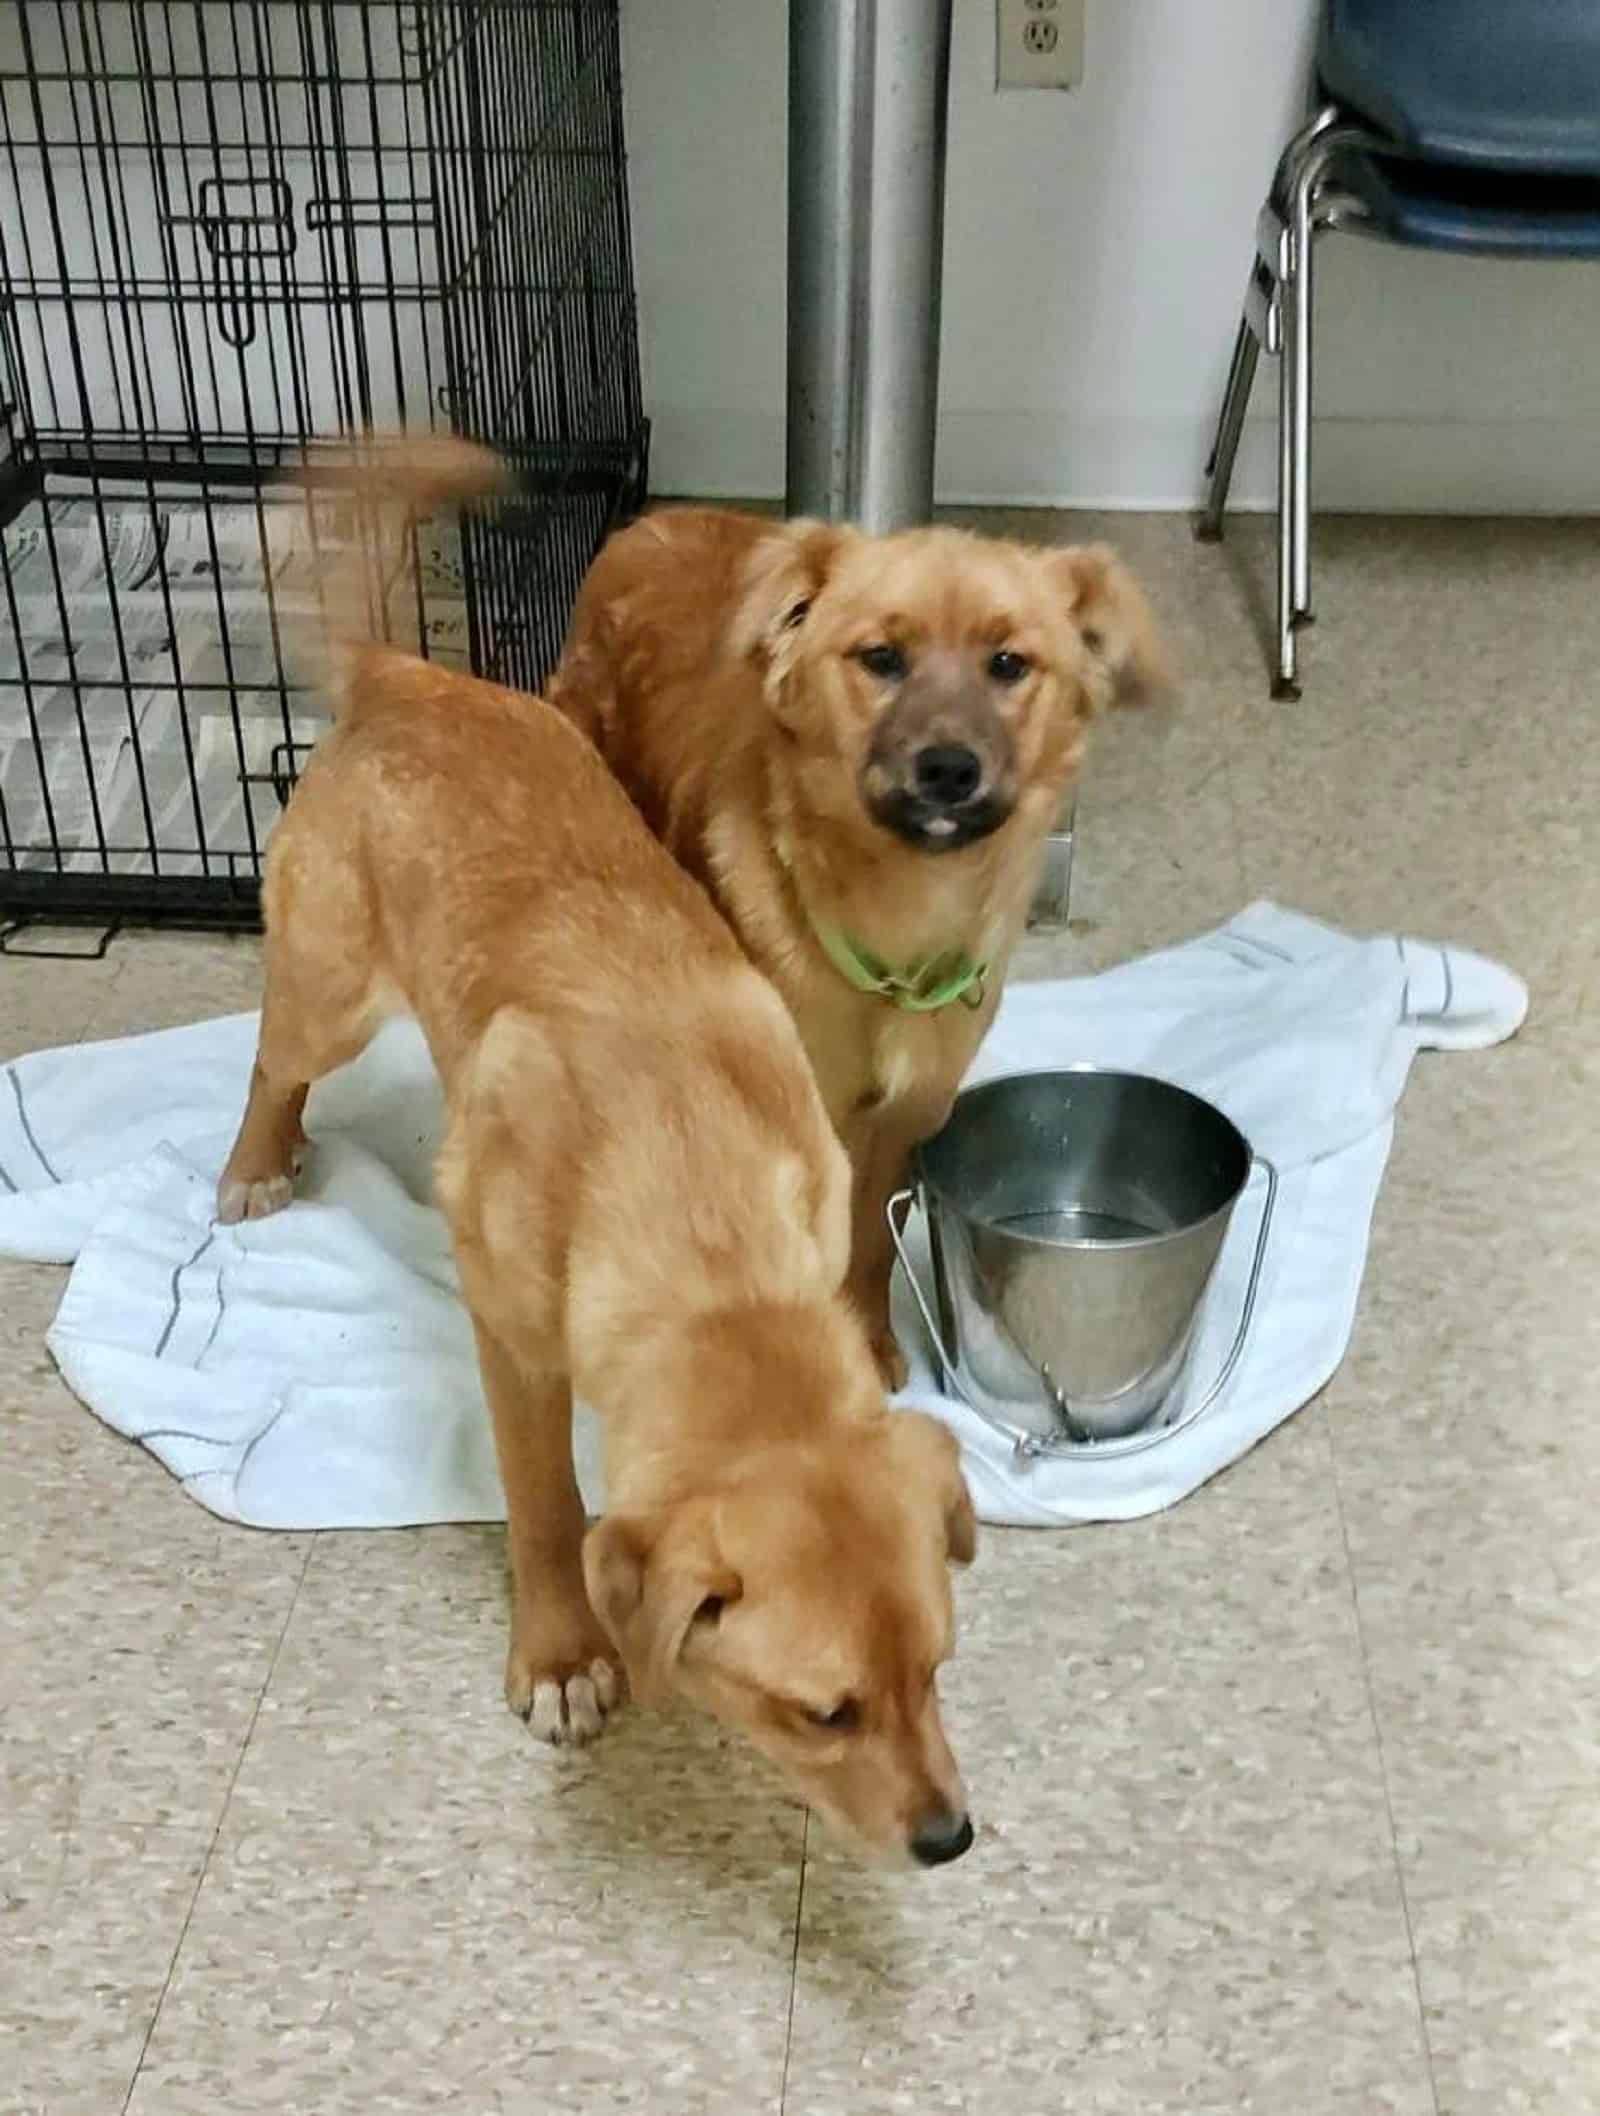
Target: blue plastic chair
[(1467, 125)]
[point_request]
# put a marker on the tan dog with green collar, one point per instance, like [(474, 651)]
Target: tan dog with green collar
[(859, 745)]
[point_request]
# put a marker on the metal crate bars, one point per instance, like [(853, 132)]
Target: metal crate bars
[(231, 233)]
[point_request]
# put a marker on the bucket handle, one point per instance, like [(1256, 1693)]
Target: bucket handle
[(1024, 1443), (1028, 1445)]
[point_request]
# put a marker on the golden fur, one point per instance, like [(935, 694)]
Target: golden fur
[(648, 1206), (726, 666)]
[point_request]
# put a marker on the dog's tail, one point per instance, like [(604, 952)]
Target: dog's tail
[(362, 513)]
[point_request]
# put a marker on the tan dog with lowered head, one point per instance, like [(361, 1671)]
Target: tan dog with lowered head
[(648, 1205), (858, 743)]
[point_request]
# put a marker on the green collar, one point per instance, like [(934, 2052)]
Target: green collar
[(918, 988)]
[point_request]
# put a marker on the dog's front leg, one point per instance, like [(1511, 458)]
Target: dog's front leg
[(880, 1146), (562, 1672)]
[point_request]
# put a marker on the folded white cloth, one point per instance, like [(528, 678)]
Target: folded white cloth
[(316, 1370)]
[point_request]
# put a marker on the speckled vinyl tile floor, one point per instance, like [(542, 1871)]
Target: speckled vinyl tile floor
[(1289, 1800)]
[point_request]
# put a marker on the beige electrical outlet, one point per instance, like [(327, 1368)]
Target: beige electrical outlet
[(1038, 43)]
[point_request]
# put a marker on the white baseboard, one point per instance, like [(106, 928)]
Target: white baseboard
[(1023, 459)]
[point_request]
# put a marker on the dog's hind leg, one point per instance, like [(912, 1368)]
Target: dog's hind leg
[(259, 1176), (317, 1013), (296, 1048)]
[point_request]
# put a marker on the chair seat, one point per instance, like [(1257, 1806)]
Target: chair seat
[(1512, 85), (1470, 210)]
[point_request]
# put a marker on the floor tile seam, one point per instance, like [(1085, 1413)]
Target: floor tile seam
[(216, 1833), (1381, 1751)]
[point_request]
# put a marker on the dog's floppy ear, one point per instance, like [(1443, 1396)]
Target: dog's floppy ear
[(782, 575), (929, 1454), (1127, 654), (650, 1578)]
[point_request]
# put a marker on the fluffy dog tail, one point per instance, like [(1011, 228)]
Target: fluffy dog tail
[(362, 511)]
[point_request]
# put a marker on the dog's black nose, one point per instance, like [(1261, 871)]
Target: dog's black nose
[(947, 773), (940, 1839)]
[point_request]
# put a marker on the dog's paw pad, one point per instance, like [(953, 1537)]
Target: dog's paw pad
[(238, 1201)]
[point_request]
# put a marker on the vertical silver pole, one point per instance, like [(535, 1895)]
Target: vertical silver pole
[(868, 103)]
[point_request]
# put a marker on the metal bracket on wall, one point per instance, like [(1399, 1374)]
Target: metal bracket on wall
[(1052, 896)]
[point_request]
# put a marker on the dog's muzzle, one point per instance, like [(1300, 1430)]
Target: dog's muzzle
[(934, 825), (937, 787)]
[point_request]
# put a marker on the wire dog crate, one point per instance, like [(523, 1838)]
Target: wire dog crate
[(232, 231)]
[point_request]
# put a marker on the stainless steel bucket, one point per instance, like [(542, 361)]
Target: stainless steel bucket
[(1074, 1220)]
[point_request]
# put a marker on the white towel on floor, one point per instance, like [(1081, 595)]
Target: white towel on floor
[(316, 1370)]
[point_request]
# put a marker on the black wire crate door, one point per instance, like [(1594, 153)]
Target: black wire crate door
[(230, 232)]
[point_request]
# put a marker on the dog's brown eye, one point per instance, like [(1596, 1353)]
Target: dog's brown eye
[(883, 660), (710, 1609), (1092, 639), (1007, 667), (845, 1716)]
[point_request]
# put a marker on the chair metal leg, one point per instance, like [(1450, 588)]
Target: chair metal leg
[(1230, 424), (1278, 314), (1307, 142), (1285, 683), (1302, 237)]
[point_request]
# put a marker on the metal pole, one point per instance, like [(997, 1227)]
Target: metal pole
[(868, 102)]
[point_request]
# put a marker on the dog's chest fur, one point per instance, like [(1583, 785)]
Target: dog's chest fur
[(873, 1058), (870, 1056), (906, 1052)]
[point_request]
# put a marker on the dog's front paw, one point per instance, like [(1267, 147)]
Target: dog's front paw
[(239, 1199), (566, 1699), (246, 1193)]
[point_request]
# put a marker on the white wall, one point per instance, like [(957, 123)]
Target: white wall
[(1096, 251)]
